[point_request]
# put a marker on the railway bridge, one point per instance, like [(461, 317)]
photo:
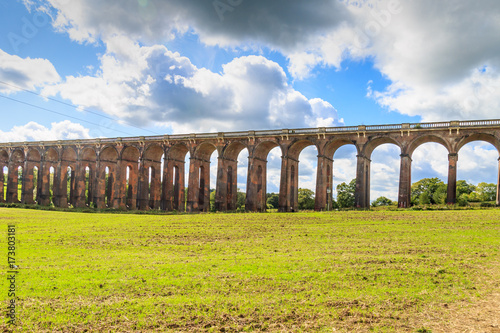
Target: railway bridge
[(147, 172)]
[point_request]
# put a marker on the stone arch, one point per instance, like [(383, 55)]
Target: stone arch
[(478, 137), (108, 154), (33, 155), (17, 157), (233, 149), (130, 154), (332, 146), (69, 155), (263, 148), (4, 156), (417, 142), (153, 152), (204, 151), (296, 147), (88, 154), (371, 145), (51, 155)]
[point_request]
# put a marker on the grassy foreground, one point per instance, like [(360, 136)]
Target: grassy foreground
[(343, 271)]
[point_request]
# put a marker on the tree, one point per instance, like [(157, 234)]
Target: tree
[(429, 186), (273, 200), (240, 200), (306, 198), (345, 194), (464, 188), (487, 192), (382, 201)]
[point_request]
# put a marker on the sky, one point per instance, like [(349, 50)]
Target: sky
[(89, 68)]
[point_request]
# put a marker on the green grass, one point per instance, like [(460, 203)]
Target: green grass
[(349, 271)]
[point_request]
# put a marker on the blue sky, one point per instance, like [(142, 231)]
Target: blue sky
[(84, 69)]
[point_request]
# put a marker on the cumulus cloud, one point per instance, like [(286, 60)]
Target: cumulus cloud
[(220, 22), (32, 131), (25, 73), (442, 57), (146, 84)]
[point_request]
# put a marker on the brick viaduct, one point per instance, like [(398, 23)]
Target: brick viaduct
[(125, 172)]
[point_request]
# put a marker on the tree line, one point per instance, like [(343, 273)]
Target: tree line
[(427, 191)]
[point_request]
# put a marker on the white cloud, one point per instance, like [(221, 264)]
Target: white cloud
[(146, 84), (25, 73), (32, 131)]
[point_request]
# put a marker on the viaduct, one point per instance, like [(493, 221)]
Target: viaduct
[(126, 172)]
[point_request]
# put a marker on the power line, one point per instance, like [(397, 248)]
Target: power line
[(62, 114), (75, 106)]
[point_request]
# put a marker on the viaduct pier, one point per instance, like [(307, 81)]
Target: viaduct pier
[(147, 172)]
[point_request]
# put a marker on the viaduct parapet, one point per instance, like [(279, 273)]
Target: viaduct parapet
[(127, 172)]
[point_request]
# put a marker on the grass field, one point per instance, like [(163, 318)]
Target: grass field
[(382, 271)]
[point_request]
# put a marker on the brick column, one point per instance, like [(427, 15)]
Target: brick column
[(44, 183), (27, 194), (155, 185), (362, 193), (227, 184), (199, 185), (452, 179), (79, 185), (404, 197), (288, 199), (12, 180), (174, 185), (323, 196), (62, 191), (255, 200)]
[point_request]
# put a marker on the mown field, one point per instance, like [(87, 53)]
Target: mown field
[(380, 271)]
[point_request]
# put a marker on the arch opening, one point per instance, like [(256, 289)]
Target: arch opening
[(429, 174), (19, 183), (344, 163), (35, 184), (385, 174), (305, 192), (478, 173), (51, 185)]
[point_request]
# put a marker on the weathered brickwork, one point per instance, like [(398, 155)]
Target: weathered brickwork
[(128, 173)]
